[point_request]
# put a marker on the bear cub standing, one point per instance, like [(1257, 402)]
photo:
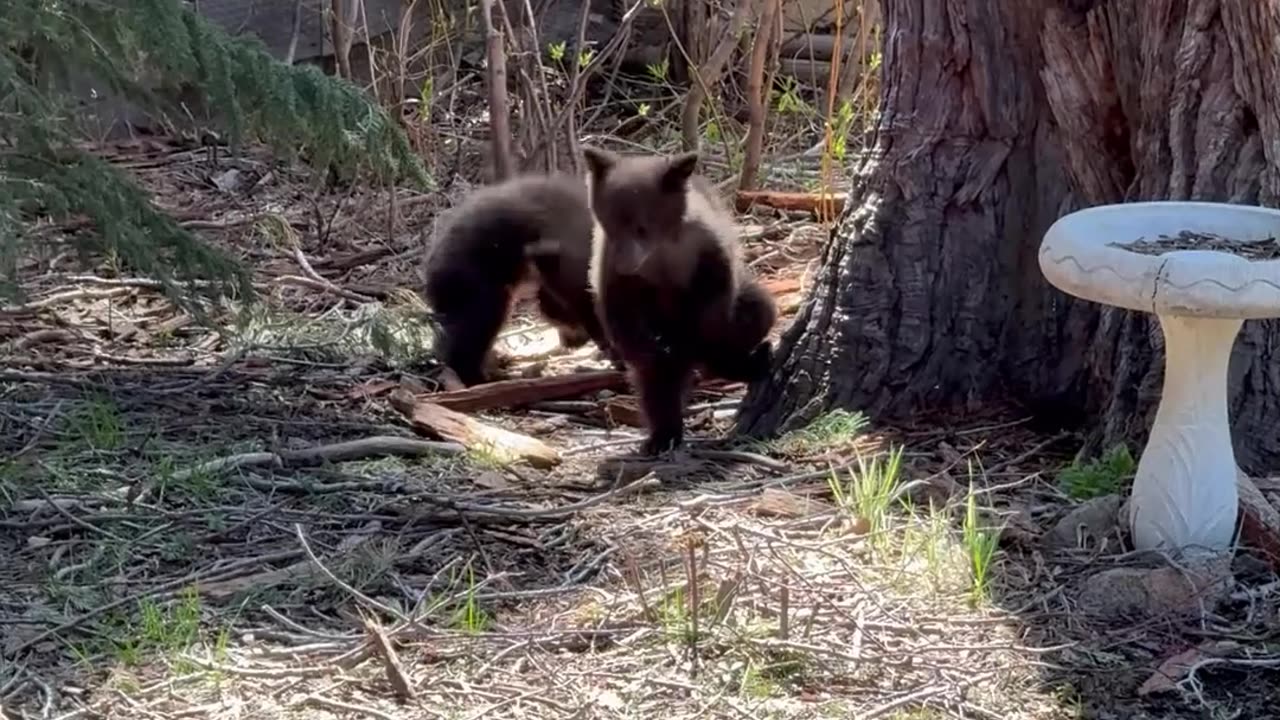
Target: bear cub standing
[(531, 231), (671, 289)]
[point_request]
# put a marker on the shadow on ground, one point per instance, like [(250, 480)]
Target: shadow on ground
[(130, 558), (140, 581), (1149, 663)]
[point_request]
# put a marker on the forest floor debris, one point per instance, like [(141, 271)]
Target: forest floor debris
[(208, 523)]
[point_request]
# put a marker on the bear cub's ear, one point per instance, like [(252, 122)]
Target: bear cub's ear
[(679, 169), (599, 161)]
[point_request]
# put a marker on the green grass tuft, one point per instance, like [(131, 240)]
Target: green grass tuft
[(870, 491), (1107, 475), (97, 424), (832, 431), (980, 544)]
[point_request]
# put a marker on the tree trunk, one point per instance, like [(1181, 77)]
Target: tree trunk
[(997, 118)]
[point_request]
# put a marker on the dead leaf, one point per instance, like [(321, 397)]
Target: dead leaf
[(859, 526)]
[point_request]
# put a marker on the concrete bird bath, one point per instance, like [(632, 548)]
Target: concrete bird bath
[(1202, 289)]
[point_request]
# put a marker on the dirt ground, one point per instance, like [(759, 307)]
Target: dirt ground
[(170, 551)]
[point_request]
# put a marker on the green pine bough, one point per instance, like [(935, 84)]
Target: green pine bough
[(148, 51)]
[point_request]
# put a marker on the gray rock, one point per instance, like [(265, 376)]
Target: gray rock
[(1086, 525), (1194, 584)]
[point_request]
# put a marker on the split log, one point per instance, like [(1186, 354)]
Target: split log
[(507, 446), (526, 391), (823, 205)]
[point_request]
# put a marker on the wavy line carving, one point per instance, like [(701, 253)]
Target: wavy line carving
[(1212, 281)]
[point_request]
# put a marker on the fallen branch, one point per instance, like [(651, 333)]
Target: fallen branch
[(371, 602), (305, 264), (377, 446), (526, 391), (357, 259), (391, 665), (65, 297), (825, 205), (322, 285), (46, 335), (507, 446)]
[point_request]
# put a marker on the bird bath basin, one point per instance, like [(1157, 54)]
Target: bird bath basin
[(1202, 269)]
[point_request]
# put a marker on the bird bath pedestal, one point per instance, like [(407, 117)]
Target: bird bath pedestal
[(1202, 269)]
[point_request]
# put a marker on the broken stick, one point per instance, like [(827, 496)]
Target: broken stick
[(507, 446)]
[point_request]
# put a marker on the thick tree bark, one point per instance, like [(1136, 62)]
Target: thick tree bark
[(997, 118)]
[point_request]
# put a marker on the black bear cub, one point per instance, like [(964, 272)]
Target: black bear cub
[(531, 232), (671, 289)]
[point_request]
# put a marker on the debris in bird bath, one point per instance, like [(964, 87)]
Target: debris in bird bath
[(1253, 250)]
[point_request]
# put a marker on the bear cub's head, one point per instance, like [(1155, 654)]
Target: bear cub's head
[(640, 201)]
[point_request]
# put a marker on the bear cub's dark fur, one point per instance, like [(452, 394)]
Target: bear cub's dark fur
[(671, 289), (528, 233)]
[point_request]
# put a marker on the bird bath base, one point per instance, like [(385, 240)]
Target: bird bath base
[(1224, 272), (1184, 492)]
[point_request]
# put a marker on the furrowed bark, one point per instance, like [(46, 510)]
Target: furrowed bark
[(997, 118)]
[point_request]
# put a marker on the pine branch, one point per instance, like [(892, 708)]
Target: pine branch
[(129, 228), (147, 51)]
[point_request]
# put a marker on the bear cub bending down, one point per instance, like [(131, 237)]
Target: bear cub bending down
[(531, 231), (671, 289)]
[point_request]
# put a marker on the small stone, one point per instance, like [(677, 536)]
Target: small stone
[(1195, 585), (1089, 523), (228, 181)]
